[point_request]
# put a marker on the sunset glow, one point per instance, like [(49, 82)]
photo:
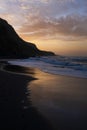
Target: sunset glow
[(55, 25)]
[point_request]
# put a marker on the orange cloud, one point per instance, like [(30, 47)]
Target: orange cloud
[(69, 27)]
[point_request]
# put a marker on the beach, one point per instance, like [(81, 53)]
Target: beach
[(32, 99), (61, 99), (16, 110)]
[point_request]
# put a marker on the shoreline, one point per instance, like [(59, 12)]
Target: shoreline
[(16, 110), (24, 71), (61, 100), (77, 70)]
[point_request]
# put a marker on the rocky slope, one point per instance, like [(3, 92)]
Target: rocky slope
[(12, 46)]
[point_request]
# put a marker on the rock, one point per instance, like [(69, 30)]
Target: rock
[(12, 46)]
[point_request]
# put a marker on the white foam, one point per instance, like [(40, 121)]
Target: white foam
[(76, 67)]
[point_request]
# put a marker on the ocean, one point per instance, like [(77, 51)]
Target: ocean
[(58, 65)]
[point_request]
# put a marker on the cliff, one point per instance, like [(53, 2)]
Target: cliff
[(12, 46)]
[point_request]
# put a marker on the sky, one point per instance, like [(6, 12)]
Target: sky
[(55, 25)]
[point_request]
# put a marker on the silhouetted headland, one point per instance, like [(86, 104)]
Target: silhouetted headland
[(12, 46)]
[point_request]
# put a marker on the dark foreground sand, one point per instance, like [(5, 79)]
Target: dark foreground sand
[(16, 111), (61, 100)]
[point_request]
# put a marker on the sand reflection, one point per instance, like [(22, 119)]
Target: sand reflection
[(61, 99)]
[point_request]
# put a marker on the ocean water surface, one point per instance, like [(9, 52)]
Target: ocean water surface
[(70, 66)]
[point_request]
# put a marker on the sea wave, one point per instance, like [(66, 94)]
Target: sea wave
[(70, 66)]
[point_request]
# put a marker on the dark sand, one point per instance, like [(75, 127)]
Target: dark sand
[(16, 111), (60, 99)]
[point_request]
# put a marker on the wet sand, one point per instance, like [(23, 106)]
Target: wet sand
[(16, 110), (60, 99)]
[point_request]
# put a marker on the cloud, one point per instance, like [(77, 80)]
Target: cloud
[(47, 19), (61, 1), (69, 27)]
